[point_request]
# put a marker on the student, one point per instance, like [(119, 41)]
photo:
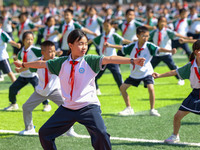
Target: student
[(93, 23), (129, 27), (77, 73), (110, 36), (66, 27), (23, 26), (47, 88), (4, 61), (191, 103), (145, 49), (50, 31), (162, 37), (181, 26), (151, 20), (28, 53)]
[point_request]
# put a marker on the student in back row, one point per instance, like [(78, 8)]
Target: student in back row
[(141, 48)]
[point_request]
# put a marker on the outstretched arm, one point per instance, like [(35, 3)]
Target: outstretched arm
[(34, 64), (167, 74), (123, 60), (173, 51), (119, 47)]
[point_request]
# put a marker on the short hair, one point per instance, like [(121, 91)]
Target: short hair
[(69, 10), (129, 10), (141, 29), (23, 14), (1, 20), (183, 10), (47, 43), (108, 21)]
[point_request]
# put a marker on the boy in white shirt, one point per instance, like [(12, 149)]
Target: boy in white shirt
[(47, 88), (145, 49), (4, 62)]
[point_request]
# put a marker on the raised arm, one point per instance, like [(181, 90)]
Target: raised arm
[(173, 51), (167, 74), (34, 64), (123, 60), (119, 47), (13, 43)]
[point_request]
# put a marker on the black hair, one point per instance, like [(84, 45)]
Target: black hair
[(25, 35), (47, 43), (74, 35), (23, 14), (141, 29), (49, 18), (1, 20), (108, 21), (195, 46), (92, 7), (69, 10), (129, 10), (183, 10)]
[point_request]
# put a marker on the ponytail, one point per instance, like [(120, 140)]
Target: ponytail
[(192, 57)]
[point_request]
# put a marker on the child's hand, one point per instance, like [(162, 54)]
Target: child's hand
[(18, 70), (47, 36), (155, 75), (173, 51), (18, 63), (106, 44), (181, 40), (139, 61), (18, 45), (190, 37)]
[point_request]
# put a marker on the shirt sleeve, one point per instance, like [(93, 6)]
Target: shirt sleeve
[(77, 25), (54, 65), (184, 72), (153, 49), (5, 37), (127, 49), (95, 62)]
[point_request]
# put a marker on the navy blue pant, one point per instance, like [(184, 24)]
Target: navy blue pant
[(20, 83), (185, 47), (62, 120), (97, 49), (115, 70), (195, 36), (167, 59)]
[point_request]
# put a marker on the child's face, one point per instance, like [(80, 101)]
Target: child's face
[(48, 52), (22, 18), (143, 37), (197, 53), (51, 22), (162, 23), (79, 48), (92, 12), (130, 16), (28, 41), (68, 17), (107, 27), (150, 14), (184, 15)]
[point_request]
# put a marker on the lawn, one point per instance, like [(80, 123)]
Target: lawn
[(169, 96)]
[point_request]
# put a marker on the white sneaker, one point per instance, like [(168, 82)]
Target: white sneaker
[(154, 112), (28, 132), (172, 139), (1, 78), (12, 107), (128, 111), (71, 132), (47, 108), (98, 92), (181, 82)]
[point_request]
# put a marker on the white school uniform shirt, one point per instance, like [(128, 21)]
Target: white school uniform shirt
[(4, 39), (27, 26), (130, 33), (7, 24), (188, 72), (113, 38), (53, 83), (195, 26), (44, 31), (167, 36), (86, 70), (32, 55), (183, 27), (95, 25), (149, 51), (71, 26)]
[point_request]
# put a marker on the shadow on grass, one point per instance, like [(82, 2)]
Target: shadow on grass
[(190, 123), (6, 111), (149, 144)]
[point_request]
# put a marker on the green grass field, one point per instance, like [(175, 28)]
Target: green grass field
[(169, 95)]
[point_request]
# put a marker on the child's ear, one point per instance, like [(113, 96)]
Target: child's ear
[(70, 45)]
